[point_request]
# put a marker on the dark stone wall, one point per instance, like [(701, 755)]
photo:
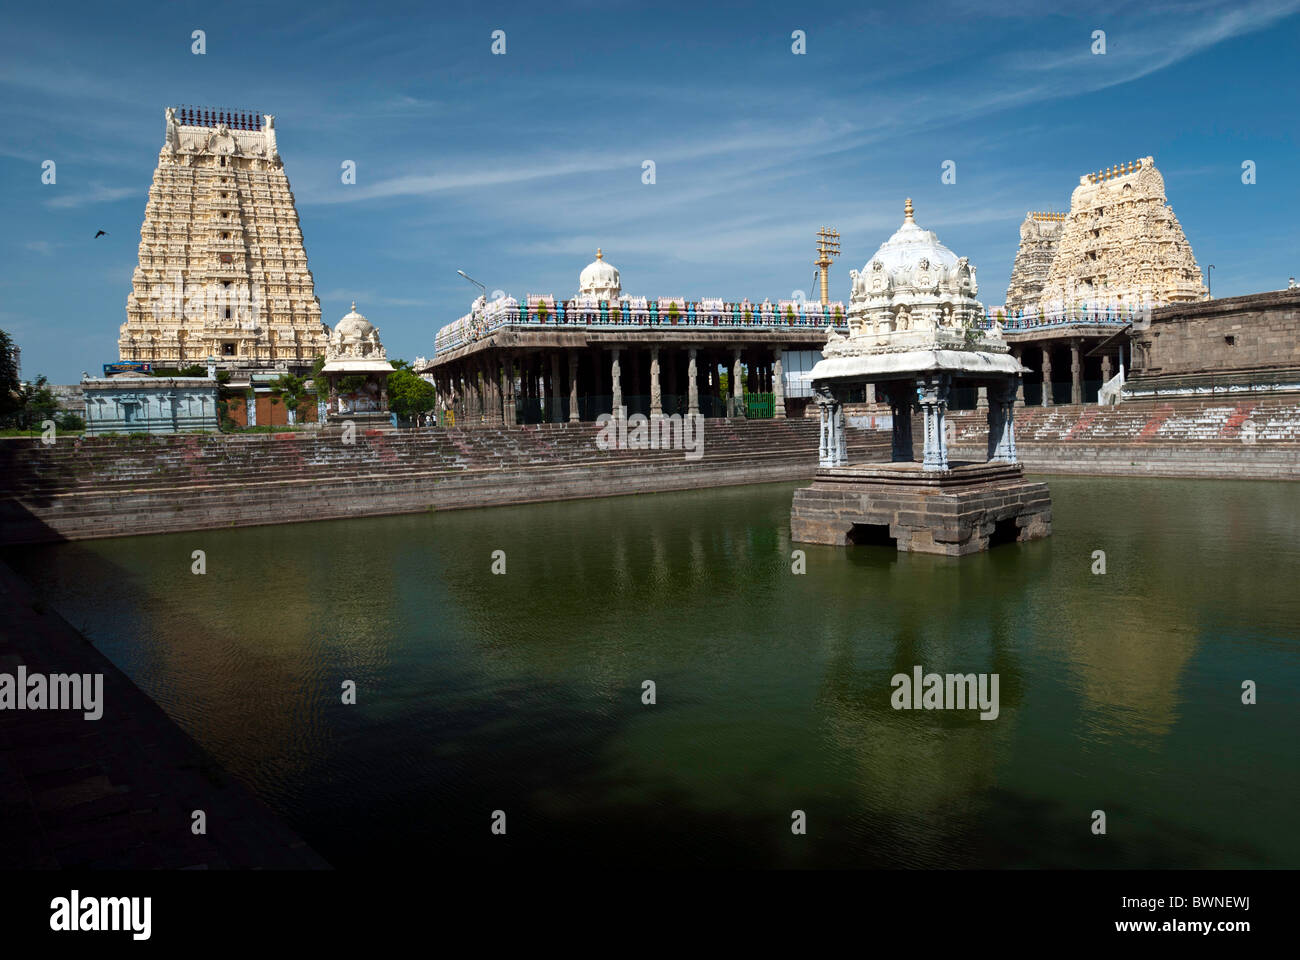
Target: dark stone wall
[(1233, 335)]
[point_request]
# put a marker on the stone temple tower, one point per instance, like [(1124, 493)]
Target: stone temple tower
[(1039, 236), (1122, 246), (222, 269)]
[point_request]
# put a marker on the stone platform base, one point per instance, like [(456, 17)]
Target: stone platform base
[(962, 510)]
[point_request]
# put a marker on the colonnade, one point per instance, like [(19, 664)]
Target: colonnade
[(555, 385)]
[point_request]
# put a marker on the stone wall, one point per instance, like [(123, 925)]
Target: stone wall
[(113, 487), (1234, 340)]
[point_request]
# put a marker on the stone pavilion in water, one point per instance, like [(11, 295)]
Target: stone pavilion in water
[(914, 332)]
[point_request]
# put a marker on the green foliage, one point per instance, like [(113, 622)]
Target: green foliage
[(289, 389), (36, 404), (10, 391), (351, 384), (408, 394)]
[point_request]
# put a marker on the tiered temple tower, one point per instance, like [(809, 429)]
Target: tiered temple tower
[(1039, 236), (222, 269), (1122, 245)]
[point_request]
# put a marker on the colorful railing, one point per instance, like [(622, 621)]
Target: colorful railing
[(645, 314), (1072, 317)]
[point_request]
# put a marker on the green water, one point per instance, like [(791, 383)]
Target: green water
[(522, 692)]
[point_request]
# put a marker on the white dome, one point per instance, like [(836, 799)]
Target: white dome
[(600, 279), (902, 253), (913, 266), (353, 325)]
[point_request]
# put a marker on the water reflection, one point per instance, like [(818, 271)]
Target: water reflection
[(523, 691)]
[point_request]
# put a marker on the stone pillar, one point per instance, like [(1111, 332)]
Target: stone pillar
[(871, 394), (932, 392), (616, 378), (899, 397), (737, 388), (573, 386), (982, 397), (1106, 372), (692, 386), (1002, 424), (1047, 376), (832, 448), (1020, 383), (656, 395), (553, 394), (1076, 372), (508, 390), (778, 385)]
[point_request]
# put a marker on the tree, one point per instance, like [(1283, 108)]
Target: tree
[(408, 394), (290, 390), (10, 389), (37, 404)]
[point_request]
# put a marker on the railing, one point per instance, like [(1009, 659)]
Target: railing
[(1082, 315), (569, 314)]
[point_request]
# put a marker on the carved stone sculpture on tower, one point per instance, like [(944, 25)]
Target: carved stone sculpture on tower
[(222, 270), (1121, 246)]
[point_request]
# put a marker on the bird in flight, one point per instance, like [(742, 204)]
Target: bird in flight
[(101, 233)]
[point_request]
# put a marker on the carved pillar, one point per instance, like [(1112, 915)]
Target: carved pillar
[(900, 397), (656, 396), (737, 388), (832, 448), (553, 393), (573, 386), (982, 397), (692, 386), (778, 385), (932, 393), (1106, 372), (1020, 383), (616, 378), (1002, 424), (1076, 372), (508, 390), (1047, 376)]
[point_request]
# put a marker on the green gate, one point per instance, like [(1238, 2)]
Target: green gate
[(760, 406)]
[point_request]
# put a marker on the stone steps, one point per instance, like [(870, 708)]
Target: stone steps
[(109, 488)]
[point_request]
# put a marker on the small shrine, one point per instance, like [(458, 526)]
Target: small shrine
[(356, 369), (914, 332)]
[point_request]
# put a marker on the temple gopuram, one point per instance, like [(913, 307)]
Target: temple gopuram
[(1039, 236), (222, 271), (1082, 279)]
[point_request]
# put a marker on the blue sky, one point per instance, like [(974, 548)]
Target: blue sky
[(516, 167)]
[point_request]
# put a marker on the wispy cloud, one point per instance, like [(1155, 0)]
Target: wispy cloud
[(97, 193)]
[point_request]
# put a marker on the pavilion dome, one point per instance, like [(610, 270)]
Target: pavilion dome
[(353, 326), (600, 279), (914, 266)]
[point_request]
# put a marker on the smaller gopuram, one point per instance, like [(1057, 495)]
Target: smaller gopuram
[(357, 368), (1039, 236), (915, 332)]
